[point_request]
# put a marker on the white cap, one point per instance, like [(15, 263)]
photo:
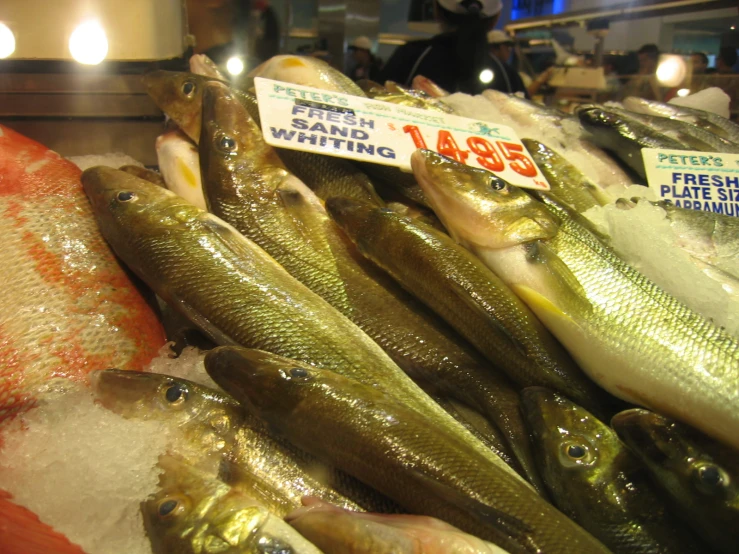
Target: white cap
[(488, 8), (363, 43), (499, 37)]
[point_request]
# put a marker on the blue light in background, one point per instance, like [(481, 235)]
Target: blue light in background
[(534, 8)]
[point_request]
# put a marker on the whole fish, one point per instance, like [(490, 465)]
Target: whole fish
[(698, 475), (692, 135), (213, 426), (180, 96), (595, 480), (22, 532), (394, 449), (629, 336), (180, 166), (337, 531), (306, 71), (195, 514), (523, 110), (568, 183), (462, 290), (237, 294), (143, 173), (625, 137), (711, 122), (247, 186), (69, 306)]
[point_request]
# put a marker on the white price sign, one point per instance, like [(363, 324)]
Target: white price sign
[(357, 128), (695, 180)]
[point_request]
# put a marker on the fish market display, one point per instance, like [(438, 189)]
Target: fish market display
[(625, 137), (628, 335), (306, 71), (458, 286), (249, 299), (594, 479), (180, 166), (195, 514), (362, 359), (337, 531), (698, 475), (214, 427), (393, 448), (568, 183), (248, 187), (69, 308)]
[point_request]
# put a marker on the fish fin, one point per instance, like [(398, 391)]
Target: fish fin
[(507, 524), (202, 322), (307, 214), (464, 296), (565, 286)]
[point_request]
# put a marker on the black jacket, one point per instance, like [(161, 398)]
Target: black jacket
[(438, 59)]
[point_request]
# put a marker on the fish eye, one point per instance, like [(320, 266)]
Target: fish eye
[(126, 196), (710, 478), (176, 393), (227, 144), (497, 184), (167, 507), (576, 453), (188, 88), (299, 373)]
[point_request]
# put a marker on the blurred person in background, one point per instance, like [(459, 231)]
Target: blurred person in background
[(362, 63), (457, 58), (726, 60), (645, 84), (219, 28), (267, 31), (725, 78), (699, 63), (505, 78)]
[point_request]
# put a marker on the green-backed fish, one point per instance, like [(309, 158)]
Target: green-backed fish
[(394, 449), (195, 514), (594, 479), (627, 334), (625, 137), (699, 476), (569, 184), (238, 294), (337, 531), (247, 186), (213, 428), (462, 290)]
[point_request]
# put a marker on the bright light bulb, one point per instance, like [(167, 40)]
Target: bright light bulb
[(486, 76), (671, 71), (7, 41), (88, 43), (235, 65), (683, 92)]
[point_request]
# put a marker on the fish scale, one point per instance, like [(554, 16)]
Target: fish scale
[(69, 307)]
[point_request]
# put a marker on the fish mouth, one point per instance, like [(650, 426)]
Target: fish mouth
[(641, 430)]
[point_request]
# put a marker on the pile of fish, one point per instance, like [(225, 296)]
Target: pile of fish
[(442, 344)]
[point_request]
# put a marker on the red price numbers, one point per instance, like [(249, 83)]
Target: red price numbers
[(489, 155)]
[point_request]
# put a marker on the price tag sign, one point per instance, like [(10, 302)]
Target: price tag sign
[(357, 128), (694, 180)]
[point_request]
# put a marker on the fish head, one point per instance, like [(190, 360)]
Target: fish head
[(127, 208), (267, 384), (577, 452), (695, 469), (180, 96), (479, 208), (233, 153), (193, 512), (597, 118)]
